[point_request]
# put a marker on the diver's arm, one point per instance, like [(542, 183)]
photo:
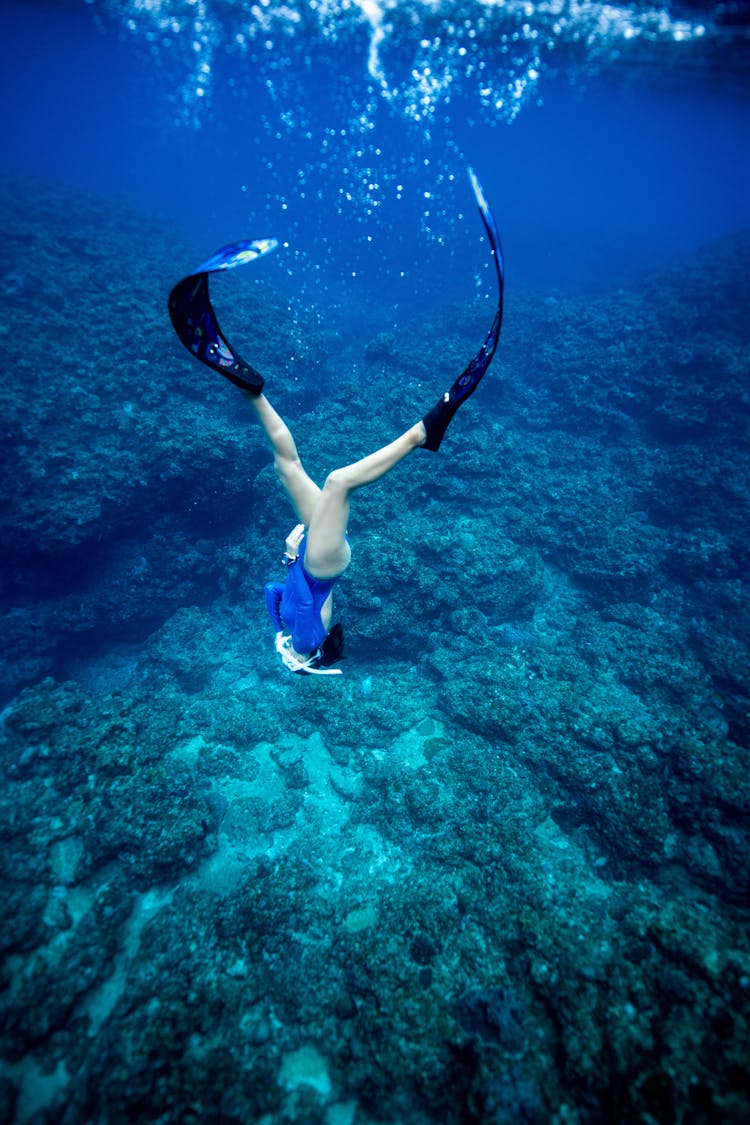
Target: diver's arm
[(306, 634), (273, 592)]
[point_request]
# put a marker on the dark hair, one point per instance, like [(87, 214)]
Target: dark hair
[(332, 649)]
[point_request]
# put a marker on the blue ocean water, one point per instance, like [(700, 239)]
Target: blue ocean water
[(497, 871)]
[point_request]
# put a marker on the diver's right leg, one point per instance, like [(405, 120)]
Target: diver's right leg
[(299, 487), (327, 554)]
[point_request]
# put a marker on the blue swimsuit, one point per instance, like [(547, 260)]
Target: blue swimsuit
[(296, 604)]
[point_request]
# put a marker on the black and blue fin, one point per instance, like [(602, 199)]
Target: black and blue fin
[(195, 322), (439, 418)]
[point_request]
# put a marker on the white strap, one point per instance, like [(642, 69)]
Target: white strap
[(283, 647)]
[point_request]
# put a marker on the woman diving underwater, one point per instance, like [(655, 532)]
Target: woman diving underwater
[(317, 550)]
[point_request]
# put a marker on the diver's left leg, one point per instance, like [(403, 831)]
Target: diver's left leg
[(299, 487), (327, 553)]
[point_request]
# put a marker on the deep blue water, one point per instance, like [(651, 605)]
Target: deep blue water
[(498, 871), (609, 170)]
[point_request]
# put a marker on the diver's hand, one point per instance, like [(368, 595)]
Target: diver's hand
[(293, 540)]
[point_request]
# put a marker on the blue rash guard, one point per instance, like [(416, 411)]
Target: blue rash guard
[(296, 604)]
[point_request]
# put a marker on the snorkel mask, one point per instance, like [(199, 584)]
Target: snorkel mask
[(312, 664)]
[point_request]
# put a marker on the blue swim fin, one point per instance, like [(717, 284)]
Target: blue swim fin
[(439, 418), (195, 322)]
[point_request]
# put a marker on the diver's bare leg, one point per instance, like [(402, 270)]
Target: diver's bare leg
[(327, 553), (303, 492)]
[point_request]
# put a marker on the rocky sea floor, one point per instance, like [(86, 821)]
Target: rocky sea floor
[(499, 870)]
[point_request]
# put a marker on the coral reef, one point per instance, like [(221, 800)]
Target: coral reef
[(496, 872)]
